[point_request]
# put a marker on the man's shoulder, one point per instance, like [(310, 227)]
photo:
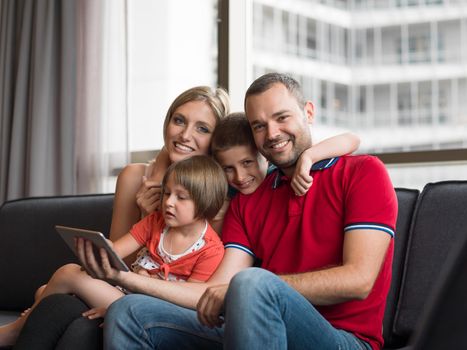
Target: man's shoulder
[(360, 158), (352, 170), (360, 162)]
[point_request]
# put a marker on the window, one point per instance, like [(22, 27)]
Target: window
[(172, 47), (376, 79)]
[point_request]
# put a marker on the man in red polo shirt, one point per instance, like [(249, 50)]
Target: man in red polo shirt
[(330, 251), (325, 257)]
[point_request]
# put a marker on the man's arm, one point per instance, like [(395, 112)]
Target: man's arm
[(363, 255), (184, 294)]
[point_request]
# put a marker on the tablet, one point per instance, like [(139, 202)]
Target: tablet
[(98, 240)]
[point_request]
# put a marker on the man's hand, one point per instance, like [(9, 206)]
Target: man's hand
[(101, 270), (211, 305), (301, 179), (148, 197)]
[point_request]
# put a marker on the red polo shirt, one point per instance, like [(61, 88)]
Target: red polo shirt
[(292, 234)]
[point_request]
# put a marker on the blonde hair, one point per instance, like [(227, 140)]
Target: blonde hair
[(217, 99), (204, 179)]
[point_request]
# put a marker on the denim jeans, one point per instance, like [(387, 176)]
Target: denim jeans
[(141, 322), (262, 312)]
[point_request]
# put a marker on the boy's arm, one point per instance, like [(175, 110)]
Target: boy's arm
[(331, 147)]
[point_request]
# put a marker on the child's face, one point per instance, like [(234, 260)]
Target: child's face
[(177, 206), (244, 166)]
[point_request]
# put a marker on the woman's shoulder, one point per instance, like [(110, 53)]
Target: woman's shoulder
[(133, 171), (130, 178)]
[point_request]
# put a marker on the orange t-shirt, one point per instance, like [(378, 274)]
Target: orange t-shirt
[(199, 264)]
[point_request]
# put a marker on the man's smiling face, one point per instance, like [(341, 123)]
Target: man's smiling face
[(279, 125)]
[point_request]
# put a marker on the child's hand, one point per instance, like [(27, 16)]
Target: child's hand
[(97, 312), (148, 197), (301, 179)]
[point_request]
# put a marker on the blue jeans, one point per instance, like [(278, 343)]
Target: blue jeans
[(262, 312), (141, 322)]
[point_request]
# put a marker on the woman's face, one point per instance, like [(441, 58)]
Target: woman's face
[(189, 130)]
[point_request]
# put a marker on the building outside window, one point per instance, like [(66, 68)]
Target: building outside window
[(398, 80)]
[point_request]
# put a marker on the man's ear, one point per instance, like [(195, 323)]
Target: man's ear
[(309, 110)]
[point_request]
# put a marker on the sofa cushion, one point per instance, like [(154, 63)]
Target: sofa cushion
[(30, 248), (443, 325), (440, 218)]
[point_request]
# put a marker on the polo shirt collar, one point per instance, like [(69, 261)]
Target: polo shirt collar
[(321, 165)]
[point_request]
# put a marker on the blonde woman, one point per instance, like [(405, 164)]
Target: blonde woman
[(57, 320), (187, 131)]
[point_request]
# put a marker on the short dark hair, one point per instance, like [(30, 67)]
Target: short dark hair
[(204, 180), (265, 82), (233, 130)]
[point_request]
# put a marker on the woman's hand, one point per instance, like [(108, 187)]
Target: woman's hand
[(97, 312), (95, 268), (148, 197)]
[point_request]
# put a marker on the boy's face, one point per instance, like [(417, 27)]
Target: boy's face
[(244, 167)]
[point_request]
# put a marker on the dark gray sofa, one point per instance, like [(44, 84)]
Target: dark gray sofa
[(428, 227), (30, 248)]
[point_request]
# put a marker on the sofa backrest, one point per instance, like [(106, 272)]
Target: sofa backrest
[(27, 235), (444, 324), (440, 218), (406, 199)]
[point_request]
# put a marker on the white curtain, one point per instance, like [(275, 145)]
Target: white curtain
[(102, 103)]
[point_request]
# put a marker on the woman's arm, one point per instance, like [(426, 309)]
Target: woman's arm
[(125, 210), (148, 197), (184, 294), (331, 147), (161, 163)]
